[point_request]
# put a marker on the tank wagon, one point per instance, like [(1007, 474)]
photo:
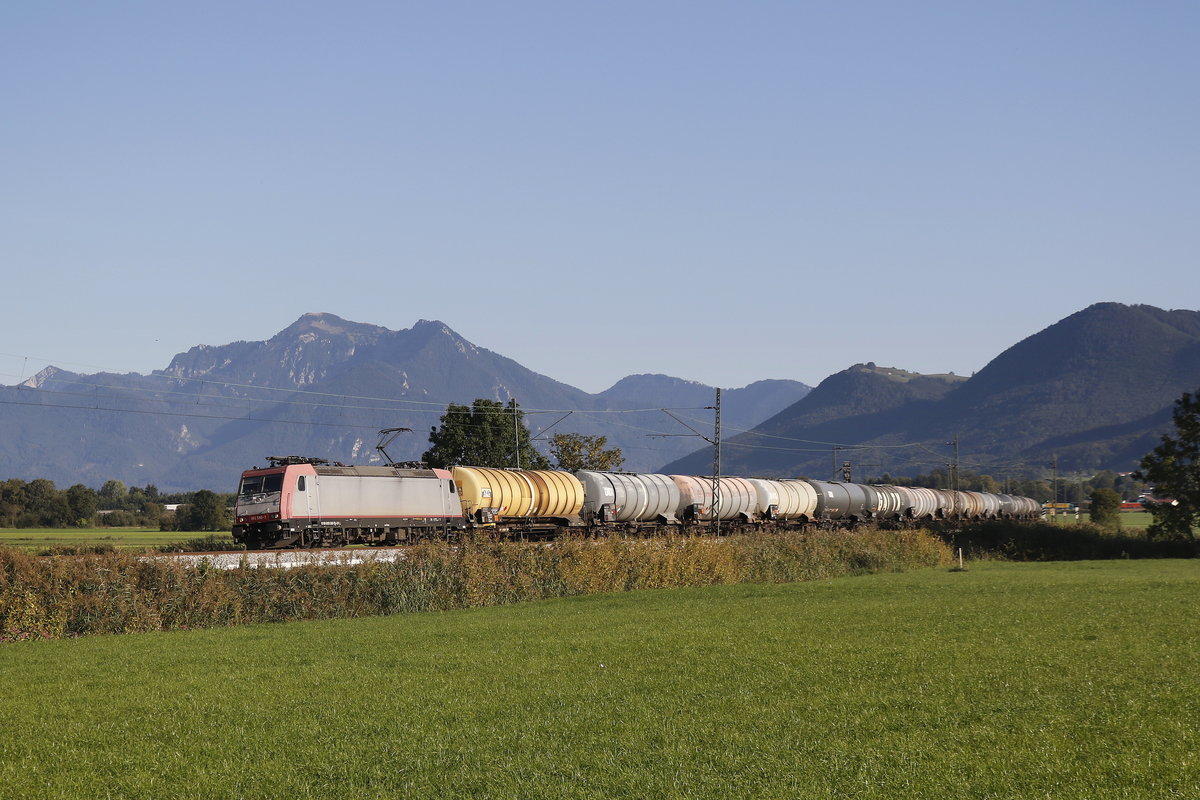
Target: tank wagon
[(305, 502), (515, 496)]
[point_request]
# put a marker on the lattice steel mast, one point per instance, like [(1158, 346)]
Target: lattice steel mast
[(716, 482)]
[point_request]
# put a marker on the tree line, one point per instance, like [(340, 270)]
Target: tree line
[(40, 504), (1069, 490), (492, 434)]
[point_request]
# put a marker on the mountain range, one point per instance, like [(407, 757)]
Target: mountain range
[(324, 387), (1092, 391)]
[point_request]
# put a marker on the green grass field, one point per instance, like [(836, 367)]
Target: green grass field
[(1059, 680), (34, 540), (1130, 520), (1135, 520)]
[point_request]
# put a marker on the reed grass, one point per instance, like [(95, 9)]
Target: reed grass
[(47, 598)]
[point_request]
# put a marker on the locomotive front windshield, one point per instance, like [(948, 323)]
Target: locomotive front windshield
[(261, 484)]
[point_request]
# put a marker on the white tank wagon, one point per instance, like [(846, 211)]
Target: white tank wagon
[(947, 503), (1017, 507), (739, 500), (961, 504), (785, 499), (991, 505), (1029, 508), (628, 497), (974, 506)]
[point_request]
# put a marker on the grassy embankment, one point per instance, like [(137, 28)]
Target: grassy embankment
[(1008, 680)]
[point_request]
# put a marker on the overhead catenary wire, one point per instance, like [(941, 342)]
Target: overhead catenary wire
[(89, 401), (753, 432), (436, 407), (397, 403)]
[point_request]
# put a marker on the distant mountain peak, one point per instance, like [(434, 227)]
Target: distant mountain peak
[(39, 380), (433, 327), (903, 375), (433, 323), (654, 379), (323, 325)]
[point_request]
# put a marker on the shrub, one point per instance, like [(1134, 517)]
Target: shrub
[(1106, 508), (1044, 541), (202, 544)]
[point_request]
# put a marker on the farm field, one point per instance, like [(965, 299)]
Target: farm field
[(1130, 520), (39, 539), (1136, 520), (1058, 680)]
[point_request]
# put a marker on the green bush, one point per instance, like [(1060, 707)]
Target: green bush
[(1106, 508), (202, 544), (1044, 541)]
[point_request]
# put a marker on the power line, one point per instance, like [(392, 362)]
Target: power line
[(224, 402), (197, 416), (308, 392)]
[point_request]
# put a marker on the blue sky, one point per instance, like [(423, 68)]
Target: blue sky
[(723, 192)]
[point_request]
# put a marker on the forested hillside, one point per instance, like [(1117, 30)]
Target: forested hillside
[(1089, 392)]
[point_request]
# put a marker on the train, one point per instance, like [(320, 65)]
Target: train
[(298, 502)]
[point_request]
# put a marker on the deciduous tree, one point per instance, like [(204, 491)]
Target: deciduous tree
[(113, 494), (206, 512), (12, 501), (485, 434), (574, 451), (1106, 508), (82, 502)]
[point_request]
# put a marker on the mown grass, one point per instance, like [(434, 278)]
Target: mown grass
[(1008, 680), (1136, 520)]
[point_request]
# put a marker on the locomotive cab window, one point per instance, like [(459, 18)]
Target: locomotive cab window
[(261, 484), (300, 484)]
